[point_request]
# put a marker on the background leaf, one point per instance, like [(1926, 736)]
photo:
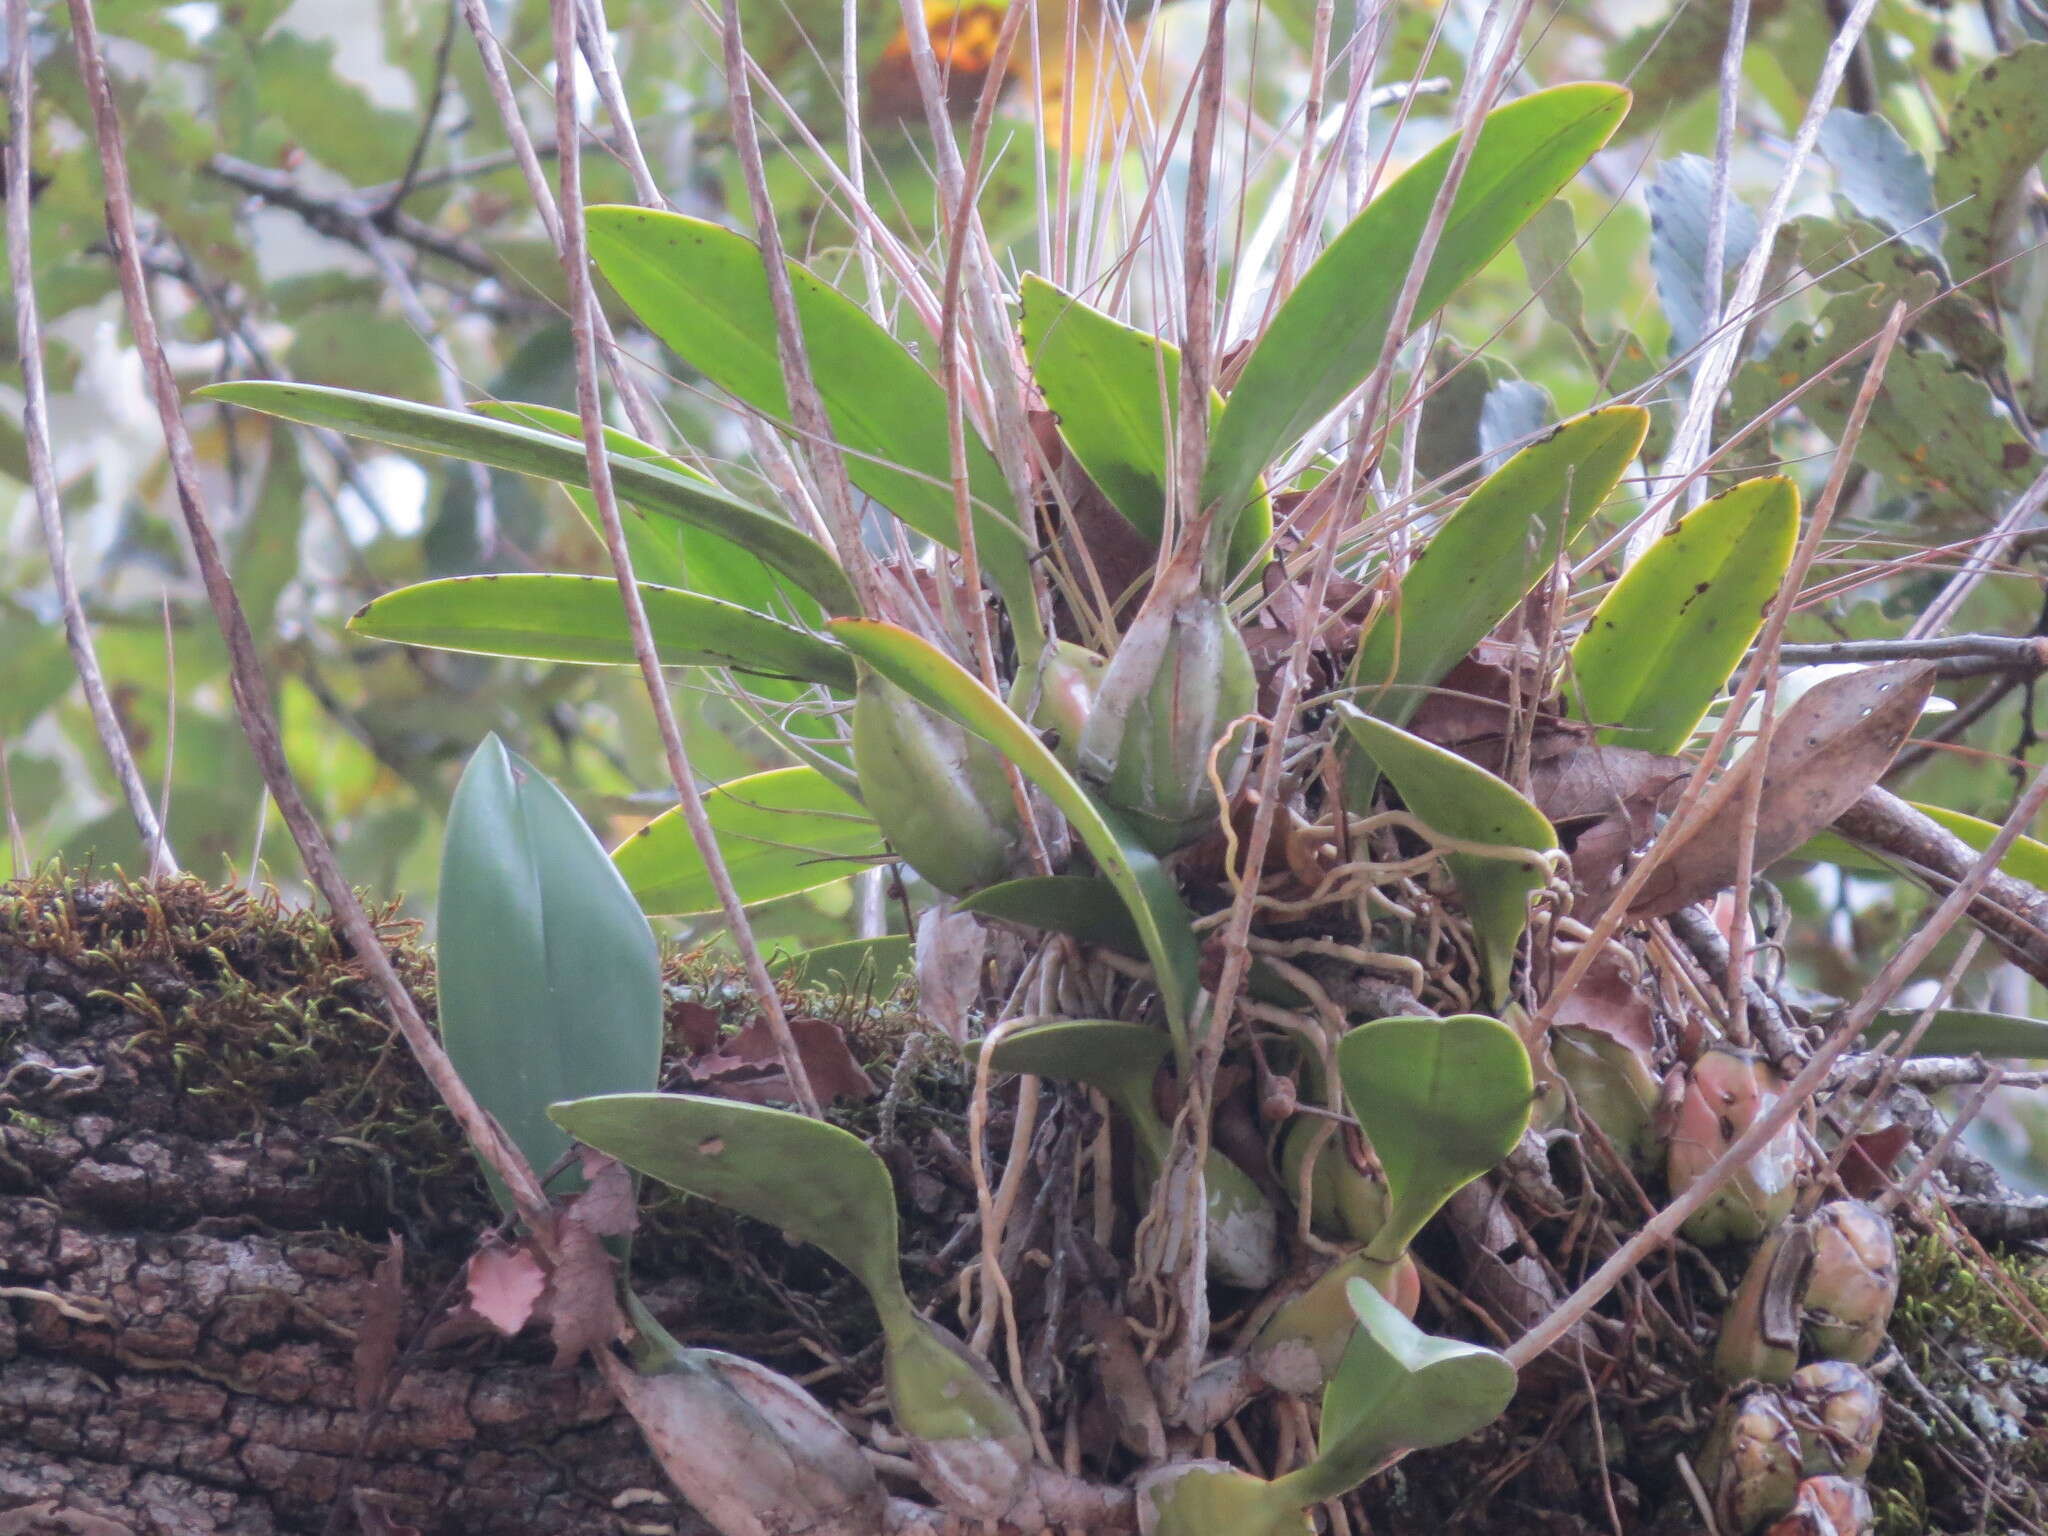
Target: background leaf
[(784, 831)]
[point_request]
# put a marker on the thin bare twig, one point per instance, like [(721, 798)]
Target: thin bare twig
[(1955, 655), (35, 426), (250, 691), (582, 304)]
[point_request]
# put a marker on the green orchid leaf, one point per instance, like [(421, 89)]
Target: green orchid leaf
[(665, 552), (1115, 391), (580, 619), (812, 1180), (1213, 1498), (1462, 801), (1963, 1032), (1486, 557), (1998, 132), (1084, 907), (1671, 631), (1442, 1101), (820, 1186), (1327, 336), (1397, 1390), (783, 831), (702, 289), (1118, 1058), (1089, 908), (530, 451), (550, 981), (1148, 891), (851, 966)]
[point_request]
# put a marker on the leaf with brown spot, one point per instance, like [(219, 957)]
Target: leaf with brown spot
[(1827, 749), (377, 1334), (503, 1284)]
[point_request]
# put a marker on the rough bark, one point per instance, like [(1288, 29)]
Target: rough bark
[(184, 1270)]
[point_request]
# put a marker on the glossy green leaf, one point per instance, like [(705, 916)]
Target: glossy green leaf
[(580, 619), (1442, 1101), (1670, 632), (1963, 1032), (702, 289), (549, 979), (1327, 336), (1460, 800), (664, 551), (851, 966), (1488, 554), (1397, 1390), (1120, 1060), (1088, 908), (784, 831), (812, 1180), (530, 451), (1115, 391), (1085, 907), (1147, 889), (1998, 132)]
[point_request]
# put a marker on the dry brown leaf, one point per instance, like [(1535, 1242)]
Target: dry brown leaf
[(503, 1285), (606, 1204), (750, 1066), (1608, 1003), (698, 1026), (950, 948), (582, 1303), (377, 1334), (1827, 749)]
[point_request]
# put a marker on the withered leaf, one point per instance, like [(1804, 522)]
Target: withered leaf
[(1608, 1003), (950, 948), (605, 1204), (503, 1285), (1827, 749), (377, 1334), (582, 1296), (749, 1068)]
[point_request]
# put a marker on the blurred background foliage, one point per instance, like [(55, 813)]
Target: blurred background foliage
[(324, 177)]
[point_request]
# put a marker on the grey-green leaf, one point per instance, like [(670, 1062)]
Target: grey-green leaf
[(550, 982)]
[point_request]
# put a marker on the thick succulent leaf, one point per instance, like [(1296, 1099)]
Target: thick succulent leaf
[(1148, 890), (549, 980), (1397, 1390), (783, 831), (1488, 554), (1214, 1499), (1116, 393), (665, 552), (1669, 633), (1461, 800), (812, 1180), (580, 619), (702, 289), (1085, 907), (1442, 1101), (530, 451), (1964, 1032), (1327, 336), (1998, 132), (1115, 1057), (1088, 908), (851, 966)]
